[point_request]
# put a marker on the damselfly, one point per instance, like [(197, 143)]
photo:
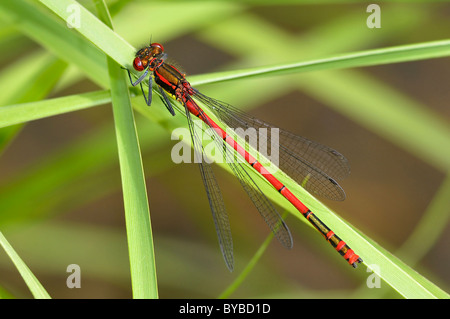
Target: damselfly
[(314, 166)]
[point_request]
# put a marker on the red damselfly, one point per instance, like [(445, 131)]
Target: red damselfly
[(314, 166)]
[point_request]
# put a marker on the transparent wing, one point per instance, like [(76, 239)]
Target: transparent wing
[(314, 166), (262, 203), (215, 199)]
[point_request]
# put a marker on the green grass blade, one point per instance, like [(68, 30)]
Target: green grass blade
[(24, 112), (42, 26), (33, 284), (34, 83), (137, 213), (397, 54), (140, 238), (94, 30)]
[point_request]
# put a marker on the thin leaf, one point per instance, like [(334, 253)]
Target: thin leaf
[(30, 279), (397, 54), (24, 112), (34, 20), (137, 213)]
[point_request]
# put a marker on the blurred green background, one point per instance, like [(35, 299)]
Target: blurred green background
[(60, 189)]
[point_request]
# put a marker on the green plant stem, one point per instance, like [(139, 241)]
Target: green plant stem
[(137, 213), (30, 279)]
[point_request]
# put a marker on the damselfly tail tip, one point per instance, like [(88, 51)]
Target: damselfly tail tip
[(358, 261)]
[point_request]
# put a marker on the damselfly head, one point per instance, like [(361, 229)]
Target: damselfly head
[(148, 55)]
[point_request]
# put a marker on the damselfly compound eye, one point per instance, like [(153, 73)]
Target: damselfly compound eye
[(157, 45), (138, 64), (156, 49)]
